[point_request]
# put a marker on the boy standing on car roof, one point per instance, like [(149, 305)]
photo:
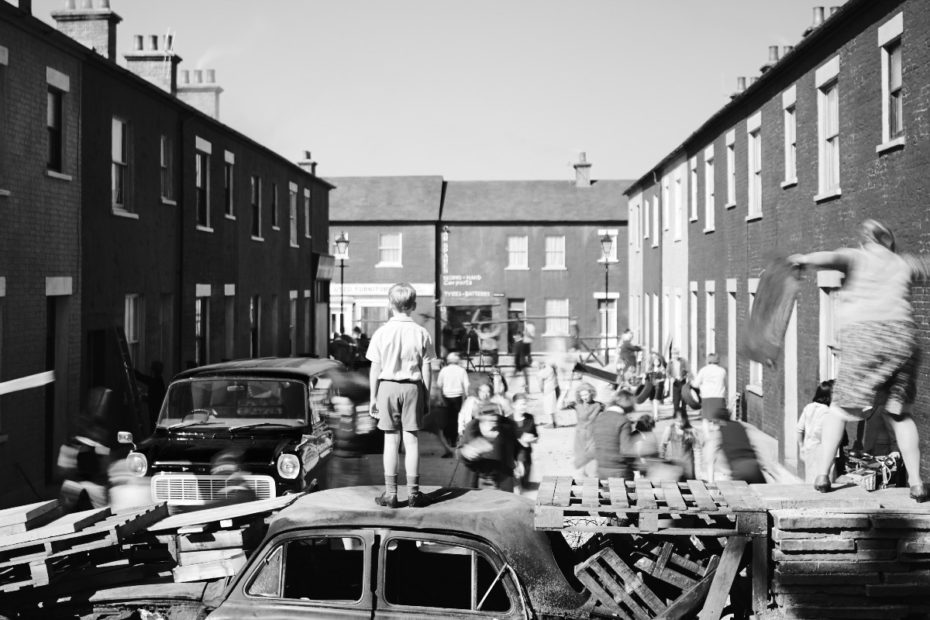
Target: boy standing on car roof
[(400, 352)]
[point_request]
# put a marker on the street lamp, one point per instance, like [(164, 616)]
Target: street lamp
[(342, 253), (607, 243)]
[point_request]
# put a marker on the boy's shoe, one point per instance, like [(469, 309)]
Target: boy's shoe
[(417, 500), (919, 493), (822, 484), (387, 500)]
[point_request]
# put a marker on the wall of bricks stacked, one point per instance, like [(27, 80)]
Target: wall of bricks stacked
[(38, 239)]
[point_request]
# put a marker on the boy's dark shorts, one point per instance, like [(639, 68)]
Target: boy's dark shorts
[(401, 405)]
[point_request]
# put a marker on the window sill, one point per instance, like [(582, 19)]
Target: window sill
[(52, 174), (203, 228), (229, 217), (755, 389), (169, 202), (655, 244), (388, 265), (275, 228), (295, 245), (892, 145), (254, 238), (730, 205), (754, 217), (516, 268), (600, 260), (692, 219), (788, 183), (5, 192), (828, 195), (561, 268), (708, 230), (124, 213)]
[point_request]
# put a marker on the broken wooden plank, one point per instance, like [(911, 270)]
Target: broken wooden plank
[(800, 545), (620, 591), (665, 574), (546, 492), (759, 572), (819, 520), (590, 493), (67, 524), (28, 513), (210, 570), (232, 511), (685, 605), (602, 596), (723, 578), (645, 496), (212, 555), (632, 580), (673, 497), (617, 489)]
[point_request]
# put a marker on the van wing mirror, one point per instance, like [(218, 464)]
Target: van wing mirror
[(124, 437)]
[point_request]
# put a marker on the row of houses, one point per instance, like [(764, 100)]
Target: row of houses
[(127, 207), (833, 131), (502, 252)]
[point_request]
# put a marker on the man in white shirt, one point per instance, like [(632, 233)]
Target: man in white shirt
[(711, 380), (453, 385)]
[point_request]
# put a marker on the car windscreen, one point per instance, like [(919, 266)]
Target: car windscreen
[(234, 402)]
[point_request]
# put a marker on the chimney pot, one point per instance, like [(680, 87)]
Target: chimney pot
[(198, 76), (582, 171), (313, 168), (154, 42), (773, 54), (70, 5), (87, 4), (787, 49), (137, 42), (169, 42), (582, 157), (307, 155), (105, 5), (211, 76), (740, 84), (818, 16), (185, 76)]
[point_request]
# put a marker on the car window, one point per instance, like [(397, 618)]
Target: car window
[(235, 400), (425, 573), (319, 568)]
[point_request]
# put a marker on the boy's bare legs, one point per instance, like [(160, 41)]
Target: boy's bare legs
[(412, 456), (391, 445), (831, 435)]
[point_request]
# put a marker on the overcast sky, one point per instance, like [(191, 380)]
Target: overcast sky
[(469, 89)]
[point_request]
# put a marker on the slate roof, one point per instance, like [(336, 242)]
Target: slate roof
[(403, 198), (548, 201)]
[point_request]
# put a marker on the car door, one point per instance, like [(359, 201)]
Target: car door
[(428, 575), (305, 574)]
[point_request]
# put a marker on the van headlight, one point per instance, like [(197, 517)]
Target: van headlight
[(137, 463), (288, 466)]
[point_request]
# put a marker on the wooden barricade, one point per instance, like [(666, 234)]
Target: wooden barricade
[(667, 549)]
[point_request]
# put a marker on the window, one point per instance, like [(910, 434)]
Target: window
[(228, 181), (614, 252), (166, 168), (828, 129), (389, 250), (731, 168), (755, 368), (754, 165), (555, 252), (308, 315), (275, 327), (120, 168), (677, 202), (709, 205), (693, 326), (230, 331), (666, 218), (439, 574), (693, 182), (710, 323), (655, 220), (255, 325), (54, 121), (557, 317), (292, 213), (132, 323), (307, 213), (274, 207), (829, 282), (255, 187), (321, 568), (791, 145), (889, 42), (201, 330), (292, 323), (202, 188), (518, 252), (646, 219)]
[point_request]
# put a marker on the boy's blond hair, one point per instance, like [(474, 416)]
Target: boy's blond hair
[(403, 297)]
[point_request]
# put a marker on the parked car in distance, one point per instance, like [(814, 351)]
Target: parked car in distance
[(245, 429), (469, 554)]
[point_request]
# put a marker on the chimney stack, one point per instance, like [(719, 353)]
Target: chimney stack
[(773, 59), (786, 49), (833, 9), (156, 63), (740, 87), (307, 163), (94, 27), (582, 171), (818, 19), (199, 93)]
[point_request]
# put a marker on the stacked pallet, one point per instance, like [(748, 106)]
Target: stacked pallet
[(831, 564)]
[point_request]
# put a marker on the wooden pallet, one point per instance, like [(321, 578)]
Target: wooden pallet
[(724, 508)]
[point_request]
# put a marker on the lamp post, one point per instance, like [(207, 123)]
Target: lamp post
[(342, 253), (607, 243)]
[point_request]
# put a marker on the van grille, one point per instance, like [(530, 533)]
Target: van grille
[(191, 489)]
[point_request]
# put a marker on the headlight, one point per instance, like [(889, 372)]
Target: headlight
[(288, 466), (137, 463)]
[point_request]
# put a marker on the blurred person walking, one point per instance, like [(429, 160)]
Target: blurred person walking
[(586, 410), (810, 427), (483, 398), (453, 385), (548, 377), (878, 340), (680, 443), (527, 435), (613, 446), (678, 374)]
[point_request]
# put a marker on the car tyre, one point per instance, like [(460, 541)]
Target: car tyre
[(644, 391), (691, 396)]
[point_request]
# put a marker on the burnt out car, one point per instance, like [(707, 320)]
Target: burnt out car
[(469, 554), (245, 429)]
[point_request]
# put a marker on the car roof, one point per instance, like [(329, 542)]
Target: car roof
[(503, 519), (265, 366)]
